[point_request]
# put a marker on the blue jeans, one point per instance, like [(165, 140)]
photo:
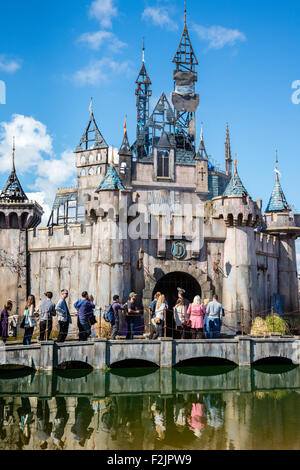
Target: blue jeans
[(130, 327), (213, 328), (115, 330), (159, 332), (28, 332), (84, 330)]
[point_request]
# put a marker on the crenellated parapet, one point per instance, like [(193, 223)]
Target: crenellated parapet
[(237, 211), (282, 223), (20, 214)]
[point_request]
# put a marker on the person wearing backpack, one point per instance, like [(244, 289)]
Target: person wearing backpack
[(85, 309), (117, 308)]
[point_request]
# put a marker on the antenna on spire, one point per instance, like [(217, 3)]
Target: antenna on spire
[(276, 167), (125, 125), (13, 154), (143, 50), (91, 107), (185, 12), (112, 162)]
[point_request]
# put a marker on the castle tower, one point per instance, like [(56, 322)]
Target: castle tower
[(241, 216), (17, 215), (202, 169), (184, 99), (143, 93), (125, 159), (110, 255), (228, 159), (286, 226), (91, 159)]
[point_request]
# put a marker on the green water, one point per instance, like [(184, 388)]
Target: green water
[(133, 409)]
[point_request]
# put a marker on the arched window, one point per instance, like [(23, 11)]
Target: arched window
[(2, 220), (83, 173), (91, 158), (82, 160), (123, 168), (13, 220), (99, 170), (91, 171), (99, 157), (163, 167)]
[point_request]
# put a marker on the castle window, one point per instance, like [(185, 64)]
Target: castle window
[(163, 167), (91, 158), (83, 173), (91, 171), (99, 157), (82, 160), (123, 168), (99, 170)]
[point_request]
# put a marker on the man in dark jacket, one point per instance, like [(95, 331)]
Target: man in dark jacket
[(85, 309)]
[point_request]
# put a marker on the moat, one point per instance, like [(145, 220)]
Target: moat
[(208, 407)]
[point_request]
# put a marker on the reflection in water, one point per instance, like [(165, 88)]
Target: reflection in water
[(166, 409)]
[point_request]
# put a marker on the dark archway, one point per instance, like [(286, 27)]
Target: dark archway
[(168, 286)]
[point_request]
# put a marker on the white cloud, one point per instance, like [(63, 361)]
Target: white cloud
[(160, 17), (99, 71), (35, 156), (104, 11), (218, 36), (9, 66), (99, 38)]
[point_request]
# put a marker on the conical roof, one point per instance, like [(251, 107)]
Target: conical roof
[(13, 190), (92, 138), (278, 202), (111, 181), (235, 186), (164, 141)]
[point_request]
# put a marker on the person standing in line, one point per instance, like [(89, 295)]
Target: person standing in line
[(180, 312), (117, 308), (214, 315), (152, 313), (85, 309), (64, 317), (197, 313), (4, 320), (47, 312), (29, 320), (160, 315), (186, 334), (132, 312)]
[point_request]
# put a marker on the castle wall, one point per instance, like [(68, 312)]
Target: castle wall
[(13, 271)]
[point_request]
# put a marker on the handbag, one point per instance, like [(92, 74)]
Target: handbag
[(93, 320), (22, 323), (32, 322)]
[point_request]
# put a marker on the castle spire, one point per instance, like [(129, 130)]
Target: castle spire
[(278, 202), (228, 159), (125, 146), (235, 186), (185, 12), (92, 138), (13, 190), (201, 154), (143, 59)]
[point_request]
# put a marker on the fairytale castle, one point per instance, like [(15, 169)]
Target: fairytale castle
[(124, 227)]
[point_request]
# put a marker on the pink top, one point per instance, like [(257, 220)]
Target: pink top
[(197, 313), (195, 421)]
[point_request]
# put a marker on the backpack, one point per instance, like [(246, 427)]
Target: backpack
[(109, 315)]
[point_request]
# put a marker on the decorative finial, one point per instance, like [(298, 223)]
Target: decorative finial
[(91, 107), (143, 50), (276, 167), (13, 154), (185, 12), (235, 163), (112, 163), (125, 125)]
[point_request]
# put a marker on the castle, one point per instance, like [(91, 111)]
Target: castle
[(127, 226)]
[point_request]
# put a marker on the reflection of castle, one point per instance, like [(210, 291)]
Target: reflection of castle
[(247, 257)]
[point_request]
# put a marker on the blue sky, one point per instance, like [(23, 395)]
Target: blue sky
[(55, 55)]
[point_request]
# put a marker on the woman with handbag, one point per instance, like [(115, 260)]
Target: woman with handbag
[(160, 312), (29, 322)]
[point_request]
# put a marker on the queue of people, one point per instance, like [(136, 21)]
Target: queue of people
[(194, 320)]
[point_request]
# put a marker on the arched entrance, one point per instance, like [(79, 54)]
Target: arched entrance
[(168, 285)]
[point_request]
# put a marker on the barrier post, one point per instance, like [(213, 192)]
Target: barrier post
[(273, 319), (242, 321)]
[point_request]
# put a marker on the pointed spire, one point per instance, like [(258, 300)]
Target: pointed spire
[(185, 55), (228, 159), (185, 12), (92, 138), (202, 153), (111, 181), (13, 190), (143, 51), (235, 186), (277, 202), (13, 155), (125, 146)]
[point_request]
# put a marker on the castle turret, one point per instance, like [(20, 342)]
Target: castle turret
[(125, 159), (279, 221), (17, 215), (110, 256), (91, 159), (241, 216)]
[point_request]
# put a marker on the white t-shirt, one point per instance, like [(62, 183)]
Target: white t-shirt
[(159, 313)]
